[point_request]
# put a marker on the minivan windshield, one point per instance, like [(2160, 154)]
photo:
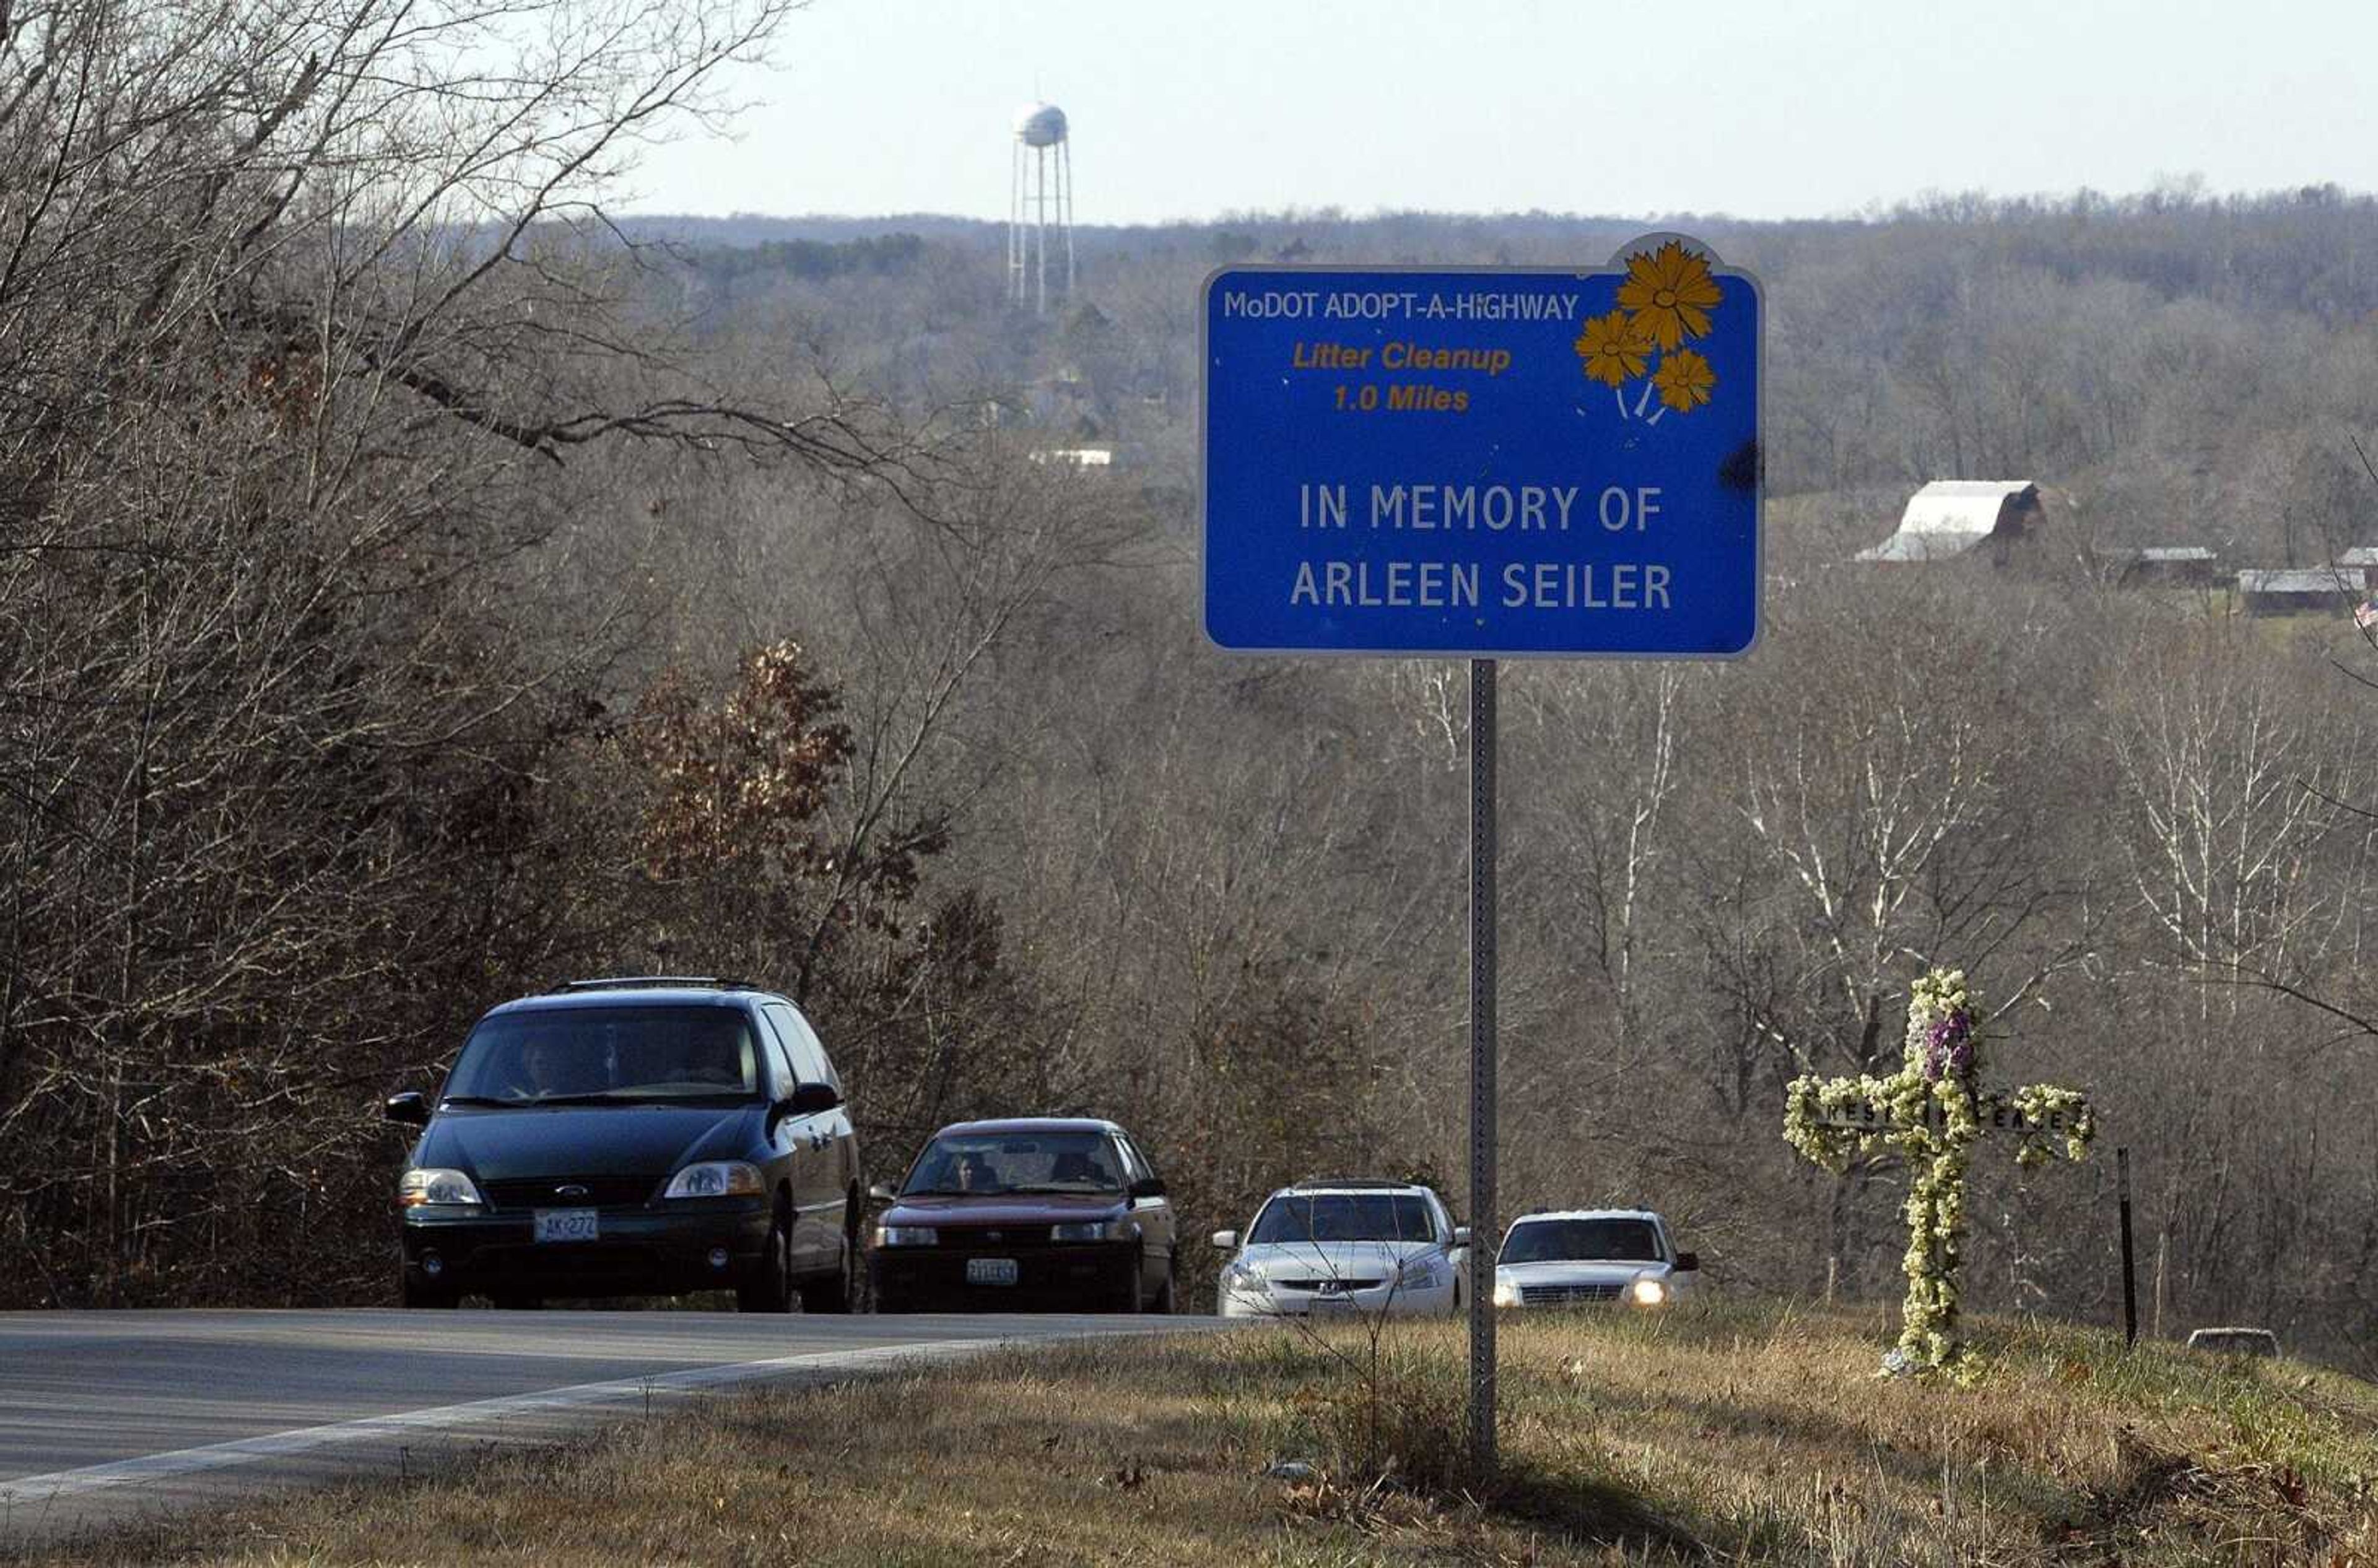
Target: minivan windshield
[(578, 1054), (1582, 1240), (1349, 1217), (967, 1164)]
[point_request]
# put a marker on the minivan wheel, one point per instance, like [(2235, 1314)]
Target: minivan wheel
[(772, 1291)]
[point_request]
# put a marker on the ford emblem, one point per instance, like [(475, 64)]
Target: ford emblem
[(572, 1191)]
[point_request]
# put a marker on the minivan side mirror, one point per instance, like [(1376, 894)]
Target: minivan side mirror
[(1688, 1263), (1147, 1187), (1462, 1236), (882, 1192), (809, 1099), (408, 1108), (1228, 1240)]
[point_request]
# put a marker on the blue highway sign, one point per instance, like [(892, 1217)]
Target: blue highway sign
[(1471, 464)]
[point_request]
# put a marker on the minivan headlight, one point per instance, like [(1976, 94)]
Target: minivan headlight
[(716, 1178), (434, 1187), (1417, 1273)]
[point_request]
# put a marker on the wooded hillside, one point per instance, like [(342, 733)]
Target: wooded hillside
[(414, 591)]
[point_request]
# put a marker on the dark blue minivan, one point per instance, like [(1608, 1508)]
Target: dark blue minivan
[(652, 1136)]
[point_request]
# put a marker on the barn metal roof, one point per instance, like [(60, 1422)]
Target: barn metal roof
[(1949, 516), (2298, 580)]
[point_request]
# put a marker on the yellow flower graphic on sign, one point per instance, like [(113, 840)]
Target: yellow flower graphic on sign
[(1614, 350), (1669, 293), (1665, 300), (1685, 380)]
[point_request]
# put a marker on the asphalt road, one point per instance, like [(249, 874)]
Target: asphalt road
[(107, 1416)]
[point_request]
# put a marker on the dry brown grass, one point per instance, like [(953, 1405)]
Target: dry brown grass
[(1724, 1434)]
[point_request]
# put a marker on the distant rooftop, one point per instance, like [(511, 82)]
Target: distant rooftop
[(2174, 553), (2360, 555)]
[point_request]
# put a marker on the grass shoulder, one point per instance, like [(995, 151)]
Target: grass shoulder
[(1718, 1433)]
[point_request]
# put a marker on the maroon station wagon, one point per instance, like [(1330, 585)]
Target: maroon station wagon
[(1056, 1213)]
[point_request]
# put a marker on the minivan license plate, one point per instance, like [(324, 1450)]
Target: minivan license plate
[(991, 1271), (566, 1224)]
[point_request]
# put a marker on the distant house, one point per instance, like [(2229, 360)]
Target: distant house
[(2296, 591), (1950, 518), (2362, 564), (2181, 565), (1094, 456)]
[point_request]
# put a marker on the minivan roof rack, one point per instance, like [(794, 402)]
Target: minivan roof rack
[(644, 982)]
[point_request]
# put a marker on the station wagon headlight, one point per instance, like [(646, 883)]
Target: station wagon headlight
[(1120, 1228), (431, 1187), (716, 1178), (906, 1236), (1647, 1292)]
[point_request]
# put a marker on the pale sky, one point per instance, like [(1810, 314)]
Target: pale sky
[(1754, 108)]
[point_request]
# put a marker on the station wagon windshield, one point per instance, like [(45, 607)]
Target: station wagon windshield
[(969, 1164), (583, 1055), (1386, 1216), (1582, 1240)]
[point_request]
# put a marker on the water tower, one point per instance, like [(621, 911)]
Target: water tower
[(1040, 194)]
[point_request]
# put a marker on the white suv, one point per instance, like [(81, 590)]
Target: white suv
[(1577, 1257), (1352, 1246)]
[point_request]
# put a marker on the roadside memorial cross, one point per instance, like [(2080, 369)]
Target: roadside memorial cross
[(1932, 1111)]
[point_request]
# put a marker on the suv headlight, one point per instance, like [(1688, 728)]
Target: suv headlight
[(1647, 1291), (716, 1178), (1123, 1227), (431, 1187), (906, 1236)]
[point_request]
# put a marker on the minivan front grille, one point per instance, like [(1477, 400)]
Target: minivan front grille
[(544, 1193)]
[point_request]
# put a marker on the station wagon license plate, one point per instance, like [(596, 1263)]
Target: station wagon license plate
[(566, 1224), (991, 1271)]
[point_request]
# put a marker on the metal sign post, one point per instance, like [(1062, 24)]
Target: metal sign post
[(1482, 1228), (2130, 1267), (1484, 463)]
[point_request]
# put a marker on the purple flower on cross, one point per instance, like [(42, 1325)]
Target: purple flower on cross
[(1949, 1046)]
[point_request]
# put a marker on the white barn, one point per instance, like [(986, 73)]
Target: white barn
[(1949, 516)]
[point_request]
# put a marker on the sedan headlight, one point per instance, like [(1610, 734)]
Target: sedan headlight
[(1647, 1292), (1123, 1227), (716, 1178), (432, 1188), (1505, 1293), (906, 1236)]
